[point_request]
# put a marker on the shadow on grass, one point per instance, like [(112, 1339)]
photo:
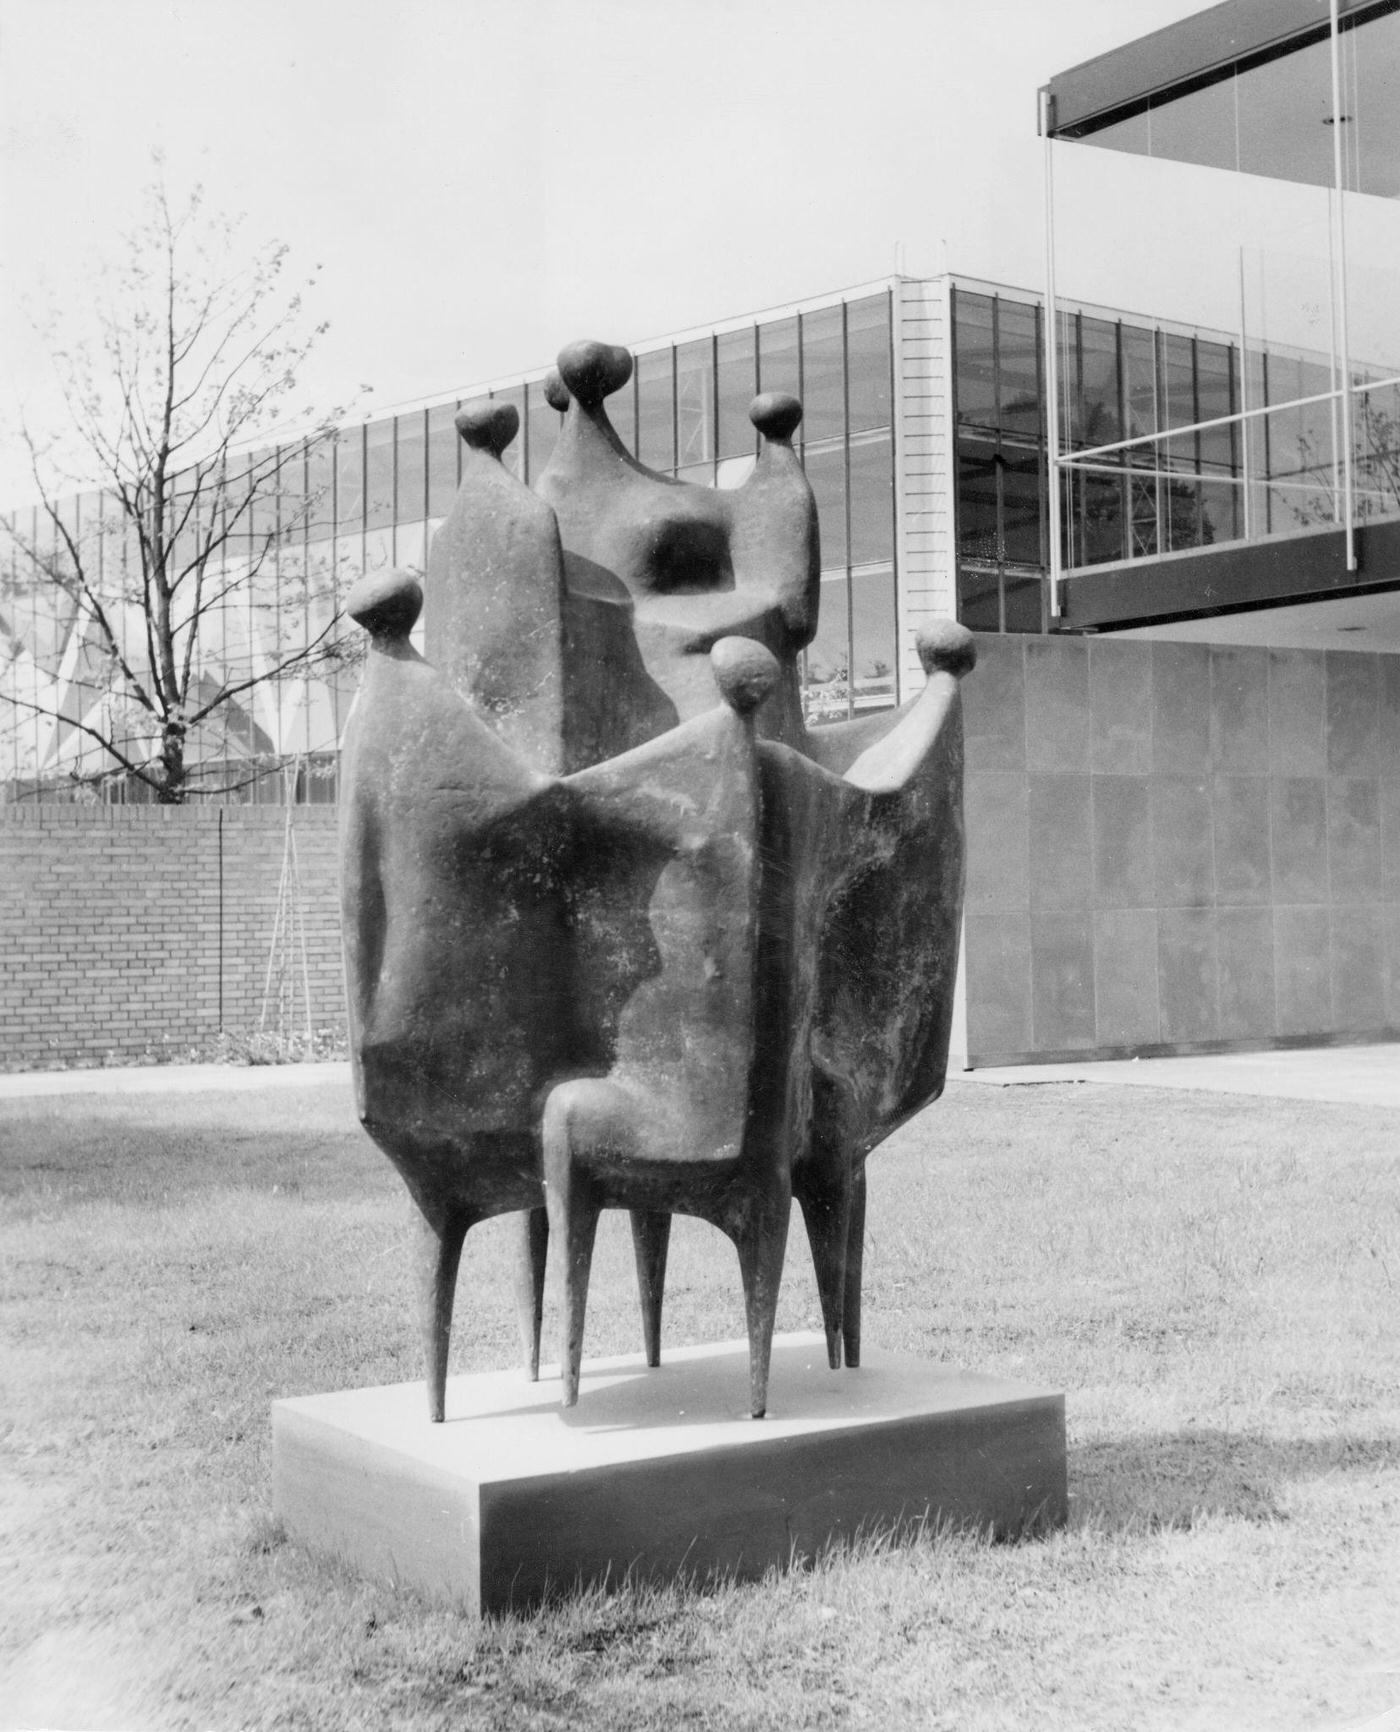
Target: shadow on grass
[(142, 1149), (1172, 1480)]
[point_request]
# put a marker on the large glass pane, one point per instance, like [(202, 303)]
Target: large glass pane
[(872, 499), (1018, 364), (979, 602), (874, 648), (1096, 418), (1139, 383), (1219, 512), (1215, 397), (656, 434), (1199, 127), (1099, 526), (695, 403), (1373, 68), (443, 441), (826, 694), (823, 382), (1024, 601), (976, 380), (622, 412), (1021, 506), (262, 514), (826, 471), (736, 383), (320, 486), (868, 362), (778, 366), (1183, 525), (1283, 112), (541, 431), (979, 531), (350, 480), (409, 503), (379, 475)]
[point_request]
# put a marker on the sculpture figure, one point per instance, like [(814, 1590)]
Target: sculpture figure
[(611, 942)]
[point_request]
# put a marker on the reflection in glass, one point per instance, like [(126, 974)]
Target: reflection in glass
[(873, 634), (1018, 365), (1373, 68), (872, 499), (379, 474), (1096, 416), (976, 375), (622, 412), (350, 480), (823, 377), (1022, 506), (1198, 127), (736, 385), (695, 403), (778, 366), (656, 433), (826, 472), (868, 362), (320, 486), (409, 504), (826, 686), (442, 459), (1283, 106)]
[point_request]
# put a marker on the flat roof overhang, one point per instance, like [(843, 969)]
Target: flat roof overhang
[(1193, 52), (1207, 582)]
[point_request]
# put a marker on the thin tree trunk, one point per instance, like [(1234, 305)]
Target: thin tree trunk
[(172, 758)]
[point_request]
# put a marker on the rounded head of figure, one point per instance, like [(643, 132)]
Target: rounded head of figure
[(744, 671), (386, 603), (946, 647)]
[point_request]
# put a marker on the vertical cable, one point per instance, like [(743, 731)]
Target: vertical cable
[(1339, 285), (1052, 369)]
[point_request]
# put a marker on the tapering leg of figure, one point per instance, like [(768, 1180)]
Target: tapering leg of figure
[(826, 1211), (761, 1246), (440, 1254), (651, 1236), (531, 1253), (855, 1263), (573, 1219)]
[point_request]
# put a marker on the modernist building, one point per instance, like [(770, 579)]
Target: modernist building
[(1188, 840), (924, 437)]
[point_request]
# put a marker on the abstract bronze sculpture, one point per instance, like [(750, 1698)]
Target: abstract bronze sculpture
[(610, 943)]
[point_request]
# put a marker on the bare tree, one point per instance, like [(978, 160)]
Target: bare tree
[(173, 409)]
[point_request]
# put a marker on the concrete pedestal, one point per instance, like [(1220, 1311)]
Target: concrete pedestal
[(659, 1472)]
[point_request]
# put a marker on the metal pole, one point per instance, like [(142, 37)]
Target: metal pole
[(1244, 406), (1339, 285), (1052, 363)]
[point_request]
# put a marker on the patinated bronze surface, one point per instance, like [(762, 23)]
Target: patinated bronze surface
[(620, 932)]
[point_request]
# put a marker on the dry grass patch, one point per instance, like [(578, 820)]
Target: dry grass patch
[(1213, 1279)]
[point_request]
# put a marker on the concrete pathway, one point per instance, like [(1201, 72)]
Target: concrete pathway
[(172, 1079), (1358, 1075)]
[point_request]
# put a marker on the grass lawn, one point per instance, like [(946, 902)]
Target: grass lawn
[(1213, 1279)]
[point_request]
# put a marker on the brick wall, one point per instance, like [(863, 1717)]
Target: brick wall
[(128, 929), (1177, 846)]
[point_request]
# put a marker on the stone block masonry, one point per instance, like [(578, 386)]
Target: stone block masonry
[(1179, 847), (140, 929)]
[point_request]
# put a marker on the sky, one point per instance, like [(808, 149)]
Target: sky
[(482, 181)]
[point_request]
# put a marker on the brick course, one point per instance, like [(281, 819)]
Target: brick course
[(130, 929)]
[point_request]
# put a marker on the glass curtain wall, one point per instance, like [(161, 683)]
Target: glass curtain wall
[(1291, 422), (370, 496), (686, 414)]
